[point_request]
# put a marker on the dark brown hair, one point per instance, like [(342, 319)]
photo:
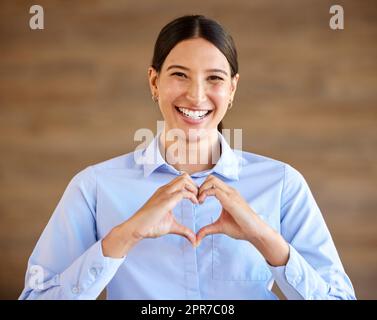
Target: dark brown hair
[(194, 26)]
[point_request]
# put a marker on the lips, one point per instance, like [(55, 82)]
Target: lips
[(193, 114)]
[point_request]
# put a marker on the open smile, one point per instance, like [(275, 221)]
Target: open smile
[(193, 115)]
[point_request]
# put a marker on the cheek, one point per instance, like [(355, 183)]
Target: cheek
[(172, 89), (220, 94)]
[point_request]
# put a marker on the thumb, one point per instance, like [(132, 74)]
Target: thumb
[(212, 228), (181, 230)]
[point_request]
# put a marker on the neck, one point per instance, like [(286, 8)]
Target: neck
[(191, 154)]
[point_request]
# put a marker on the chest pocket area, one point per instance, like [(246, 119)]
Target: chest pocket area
[(237, 260)]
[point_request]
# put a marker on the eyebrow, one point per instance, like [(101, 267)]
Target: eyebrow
[(185, 68)]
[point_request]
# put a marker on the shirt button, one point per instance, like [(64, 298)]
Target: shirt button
[(93, 271), (75, 289)]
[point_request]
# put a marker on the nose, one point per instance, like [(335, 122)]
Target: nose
[(196, 93)]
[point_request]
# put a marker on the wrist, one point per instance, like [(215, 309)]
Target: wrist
[(272, 246), (119, 241)]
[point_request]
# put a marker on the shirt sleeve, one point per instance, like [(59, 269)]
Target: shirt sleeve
[(67, 261), (314, 269)]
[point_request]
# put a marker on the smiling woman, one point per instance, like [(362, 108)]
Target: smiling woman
[(193, 77), (200, 93), (215, 64), (223, 228)]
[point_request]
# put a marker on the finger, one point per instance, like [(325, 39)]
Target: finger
[(194, 189), (207, 230), (206, 185), (187, 177), (184, 181), (212, 182), (180, 194), (220, 194), (178, 178), (180, 229), (190, 184)]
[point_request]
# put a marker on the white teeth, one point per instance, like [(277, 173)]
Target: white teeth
[(193, 114)]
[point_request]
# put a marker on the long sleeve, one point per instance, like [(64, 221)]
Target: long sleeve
[(67, 261), (314, 269)]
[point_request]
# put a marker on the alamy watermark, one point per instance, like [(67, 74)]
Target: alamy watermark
[(337, 20), (184, 148), (36, 277), (37, 19), (36, 22)]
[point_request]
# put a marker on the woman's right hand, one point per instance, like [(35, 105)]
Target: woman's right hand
[(154, 218)]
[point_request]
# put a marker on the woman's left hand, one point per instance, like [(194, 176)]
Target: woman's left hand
[(239, 221)]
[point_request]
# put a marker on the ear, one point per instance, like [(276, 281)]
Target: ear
[(234, 83), (153, 80)]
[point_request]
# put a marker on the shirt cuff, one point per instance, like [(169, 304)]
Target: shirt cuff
[(89, 274), (298, 280)]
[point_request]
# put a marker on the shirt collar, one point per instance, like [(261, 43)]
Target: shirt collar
[(227, 166)]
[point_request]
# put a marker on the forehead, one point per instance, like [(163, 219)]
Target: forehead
[(197, 53)]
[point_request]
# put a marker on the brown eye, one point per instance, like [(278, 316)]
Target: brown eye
[(216, 78), (179, 74)]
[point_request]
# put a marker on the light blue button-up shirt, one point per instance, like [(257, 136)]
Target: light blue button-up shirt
[(68, 262)]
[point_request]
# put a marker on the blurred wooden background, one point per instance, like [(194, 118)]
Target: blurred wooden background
[(74, 93)]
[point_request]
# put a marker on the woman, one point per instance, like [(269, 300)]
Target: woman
[(223, 228)]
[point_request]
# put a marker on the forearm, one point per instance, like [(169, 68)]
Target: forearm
[(270, 244), (119, 241)]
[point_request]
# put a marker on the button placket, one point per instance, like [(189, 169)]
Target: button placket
[(189, 252)]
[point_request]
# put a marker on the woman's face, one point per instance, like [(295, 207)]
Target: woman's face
[(194, 86)]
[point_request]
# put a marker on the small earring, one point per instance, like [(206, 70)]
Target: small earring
[(154, 98), (230, 104)]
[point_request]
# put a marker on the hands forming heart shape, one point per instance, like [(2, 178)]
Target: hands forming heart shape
[(236, 220), (155, 218)]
